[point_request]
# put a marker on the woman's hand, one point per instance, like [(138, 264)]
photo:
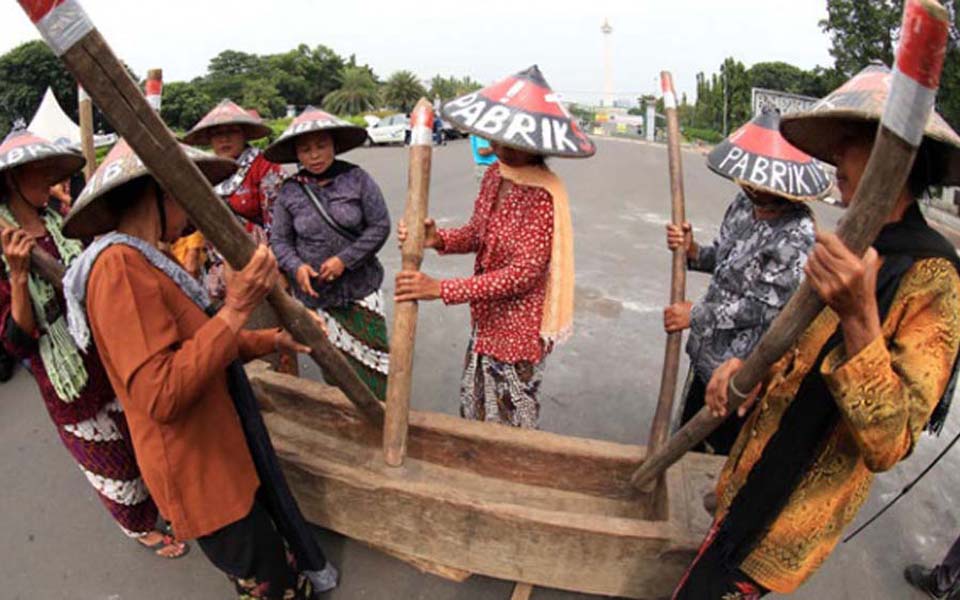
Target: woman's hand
[(430, 237), (248, 288), (847, 284), (680, 236), (414, 285), (284, 342), (676, 317), (17, 244), (716, 396), (332, 269), (304, 274)]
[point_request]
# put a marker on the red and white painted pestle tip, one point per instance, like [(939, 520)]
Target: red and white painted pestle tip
[(666, 86), (153, 89), (62, 23), (916, 75), (421, 124)]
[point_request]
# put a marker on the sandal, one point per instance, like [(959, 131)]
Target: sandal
[(167, 541)]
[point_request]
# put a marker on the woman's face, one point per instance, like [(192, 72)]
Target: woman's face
[(315, 151), (851, 160), (228, 141), (512, 157), (767, 206), (176, 219), (33, 183)]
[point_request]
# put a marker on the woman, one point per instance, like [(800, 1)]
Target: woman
[(521, 293), (329, 223), (861, 384), (756, 262), (174, 360), (250, 192), (73, 385)]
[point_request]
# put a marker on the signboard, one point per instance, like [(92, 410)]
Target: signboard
[(782, 101)]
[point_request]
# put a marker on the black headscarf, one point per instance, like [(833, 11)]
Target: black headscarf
[(813, 414)]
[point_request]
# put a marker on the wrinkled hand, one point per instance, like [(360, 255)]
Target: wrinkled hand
[(248, 288), (284, 342), (716, 396), (430, 237), (304, 274), (676, 317), (17, 244), (845, 282), (679, 236), (332, 269), (414, 285)]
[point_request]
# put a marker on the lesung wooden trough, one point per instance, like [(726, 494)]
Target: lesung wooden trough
[(527, 506)]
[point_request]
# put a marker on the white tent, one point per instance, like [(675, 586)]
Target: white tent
[(52, 123)]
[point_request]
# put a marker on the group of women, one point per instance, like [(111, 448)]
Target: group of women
[(138, 356)]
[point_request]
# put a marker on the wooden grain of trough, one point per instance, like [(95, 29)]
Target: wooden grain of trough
[(529, 506)]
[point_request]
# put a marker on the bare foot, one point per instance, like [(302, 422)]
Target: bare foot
[(164, 546)]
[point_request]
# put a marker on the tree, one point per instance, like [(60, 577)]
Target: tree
[(305, 76), (403, 90), (862, 31), (263, 97), (357, 93), (444, 88), (184, 104), (865, 31), (25, 74)]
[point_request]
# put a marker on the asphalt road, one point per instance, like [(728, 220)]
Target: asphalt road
[(57, 542)]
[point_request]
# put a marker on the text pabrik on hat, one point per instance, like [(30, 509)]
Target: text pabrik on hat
[(22, 147), (756, 156), (521, 112)]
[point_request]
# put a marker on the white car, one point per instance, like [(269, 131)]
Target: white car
[(389, 130)]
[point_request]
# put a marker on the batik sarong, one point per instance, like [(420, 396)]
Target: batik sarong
[(359, 331), (500, 392), (103, 451)]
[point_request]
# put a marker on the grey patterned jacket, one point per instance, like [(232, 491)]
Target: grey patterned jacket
[(756, 266)]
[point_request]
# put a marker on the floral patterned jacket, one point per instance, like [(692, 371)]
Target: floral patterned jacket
[(756, 266)]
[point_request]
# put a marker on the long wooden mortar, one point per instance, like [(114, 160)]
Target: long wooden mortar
[(72, 36), (913, 90), (402, 341)]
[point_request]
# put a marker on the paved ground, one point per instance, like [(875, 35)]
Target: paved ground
[(57, 542)]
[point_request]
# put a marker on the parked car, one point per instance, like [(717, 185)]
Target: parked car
[(450, 132), (389, 130)]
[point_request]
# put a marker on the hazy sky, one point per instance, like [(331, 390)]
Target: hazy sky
[(484, 39)]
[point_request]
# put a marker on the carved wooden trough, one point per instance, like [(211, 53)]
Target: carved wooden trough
[(529, 506)]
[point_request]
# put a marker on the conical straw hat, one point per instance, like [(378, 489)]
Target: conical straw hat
[(859, 103), (521, 112), (22, 147), (345, 135), (756, 156), (226, 113), (91, 214)]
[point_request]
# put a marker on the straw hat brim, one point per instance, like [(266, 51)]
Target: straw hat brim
[(820, 134), (201, 135), (345, 138), (60, 166), (762, 189), (93, 216)]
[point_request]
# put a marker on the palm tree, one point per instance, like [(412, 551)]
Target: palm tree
[(403, 90), (358, 93)]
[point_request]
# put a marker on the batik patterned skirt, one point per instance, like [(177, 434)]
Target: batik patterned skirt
[(359, 331), (103, 451), (500, 392)]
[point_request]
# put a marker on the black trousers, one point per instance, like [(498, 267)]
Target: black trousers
[(947, 573), (254, 557), (722, 439), (708, 578)]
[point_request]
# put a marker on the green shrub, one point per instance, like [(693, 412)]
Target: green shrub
[(707, 135)]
